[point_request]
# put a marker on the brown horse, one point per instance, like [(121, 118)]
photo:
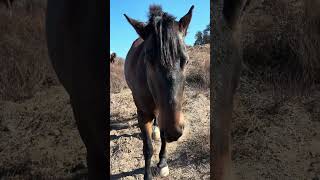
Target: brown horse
[(154, 71), (226, 61), (113, 57), (76, 39)]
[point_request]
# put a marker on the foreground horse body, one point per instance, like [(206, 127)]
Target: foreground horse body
[(226, 67), (76, 39), (8, 3), (154, 71)]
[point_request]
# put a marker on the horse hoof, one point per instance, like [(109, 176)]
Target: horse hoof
[(164, 172), (156, 133)]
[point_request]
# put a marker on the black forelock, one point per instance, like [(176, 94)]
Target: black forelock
[(162, 24), (156, 11)]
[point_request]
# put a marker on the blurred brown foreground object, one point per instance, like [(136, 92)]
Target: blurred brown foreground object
[(276, 44), (76, 37)]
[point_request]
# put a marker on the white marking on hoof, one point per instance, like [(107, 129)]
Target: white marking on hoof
[(164, 172), (156, 133)]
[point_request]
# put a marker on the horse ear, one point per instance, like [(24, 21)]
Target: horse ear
[(185, 21), (138, 26)]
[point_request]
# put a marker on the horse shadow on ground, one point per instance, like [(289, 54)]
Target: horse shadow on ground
[(118, 122), (129, 173), (115, 137), (154, 171)]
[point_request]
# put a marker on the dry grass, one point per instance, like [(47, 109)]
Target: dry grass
[(117, 80), (198, 68), (277, 43), (24, 64)]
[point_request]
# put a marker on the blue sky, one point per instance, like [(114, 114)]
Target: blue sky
[(122, 33)]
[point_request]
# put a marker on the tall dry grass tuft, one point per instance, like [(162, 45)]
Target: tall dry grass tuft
[(117, 79), (198, 68), (24, 64), (278, 46)]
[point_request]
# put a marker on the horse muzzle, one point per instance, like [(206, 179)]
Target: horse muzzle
[(173, 135)]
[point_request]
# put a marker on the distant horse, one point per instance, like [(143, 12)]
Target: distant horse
[(226, 67), (112, 57), (155, 73), (76, 40)]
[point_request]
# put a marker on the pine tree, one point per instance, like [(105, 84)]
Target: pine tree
[(199, 39), (203, 37)]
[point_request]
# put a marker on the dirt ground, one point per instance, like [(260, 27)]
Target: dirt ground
[(276, 136), (39, 138)]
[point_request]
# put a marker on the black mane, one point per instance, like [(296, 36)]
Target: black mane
[(166, 35)]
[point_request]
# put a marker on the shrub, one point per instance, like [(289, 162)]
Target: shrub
[(24, 63), (198, 68), (117, 79)]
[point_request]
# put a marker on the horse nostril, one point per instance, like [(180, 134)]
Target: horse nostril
[(182, 127), (180, 132), (164, 135), (173, 135)]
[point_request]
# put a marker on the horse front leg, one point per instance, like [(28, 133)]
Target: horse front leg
[(222, 143), (226, 67), (162, 165), (224, 87), (145, 123)]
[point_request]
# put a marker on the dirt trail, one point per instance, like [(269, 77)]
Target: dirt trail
[(187, 159)]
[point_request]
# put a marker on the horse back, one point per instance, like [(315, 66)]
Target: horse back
[(136, 77), (134, 67)]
